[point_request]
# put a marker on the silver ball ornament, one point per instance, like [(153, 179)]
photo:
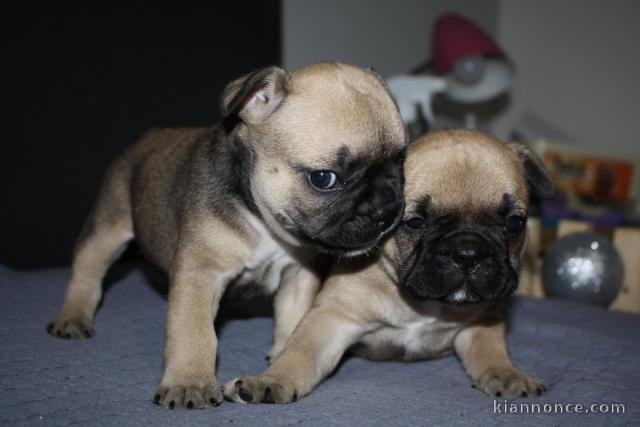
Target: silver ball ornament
[(583, 267)]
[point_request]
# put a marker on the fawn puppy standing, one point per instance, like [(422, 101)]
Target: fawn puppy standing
[(303, 162)]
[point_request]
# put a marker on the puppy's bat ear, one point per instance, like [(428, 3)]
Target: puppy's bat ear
[(256, 95), (537, 175)]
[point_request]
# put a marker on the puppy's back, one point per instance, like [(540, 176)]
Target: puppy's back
[(151, 177)]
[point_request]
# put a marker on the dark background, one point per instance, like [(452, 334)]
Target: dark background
[(77, 85)]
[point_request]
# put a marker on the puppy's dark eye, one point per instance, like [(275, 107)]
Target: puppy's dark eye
[(323, 179), (415, 223), (514, 224)]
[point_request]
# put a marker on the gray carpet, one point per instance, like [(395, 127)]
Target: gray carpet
[(584, 355)]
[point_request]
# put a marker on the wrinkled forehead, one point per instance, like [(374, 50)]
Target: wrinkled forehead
[(328, 116), (468, 178)]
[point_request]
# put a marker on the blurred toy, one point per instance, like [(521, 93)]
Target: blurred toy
[(600, 186), (583, 267), (475, 68), (596, 177), (469, 68), (412, 92), (570, 206)]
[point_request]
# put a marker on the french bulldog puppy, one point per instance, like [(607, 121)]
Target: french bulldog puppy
[(433, 287), (304, 162)]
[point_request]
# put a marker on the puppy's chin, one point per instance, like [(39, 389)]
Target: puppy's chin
[(342, 251), (465, 295), (462, 296)]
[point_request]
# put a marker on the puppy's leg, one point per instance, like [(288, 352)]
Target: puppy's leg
[(482, 348), (312, 352), (104, 237), (298, 289), (191, 343)]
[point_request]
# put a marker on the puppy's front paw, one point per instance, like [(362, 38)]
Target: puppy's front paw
[(260, 389), (509, 382), (70, 328), (191, 396)]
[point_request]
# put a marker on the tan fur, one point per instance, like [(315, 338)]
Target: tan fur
[(361, 307), (159, 191), (328, 92), (490, 171)]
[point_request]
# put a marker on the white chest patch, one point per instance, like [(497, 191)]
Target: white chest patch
[(423, 335), (268, 259), (429, 334), (416, 333)]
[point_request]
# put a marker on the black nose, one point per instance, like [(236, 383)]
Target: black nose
[(465, 255), (382, 204), (467, 250), (385, 217)]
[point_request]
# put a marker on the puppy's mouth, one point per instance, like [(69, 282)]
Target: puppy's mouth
[(353, 247), (322, 245), (341, 250), (441, 279), (466, 295)]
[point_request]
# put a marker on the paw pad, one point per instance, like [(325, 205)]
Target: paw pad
[(268, 397), (245, 395)]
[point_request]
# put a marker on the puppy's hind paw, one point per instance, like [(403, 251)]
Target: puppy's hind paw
[(509, 383), (259, 389), (70, 328)]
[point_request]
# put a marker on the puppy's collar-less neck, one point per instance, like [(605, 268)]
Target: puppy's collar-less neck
[(240, 161)]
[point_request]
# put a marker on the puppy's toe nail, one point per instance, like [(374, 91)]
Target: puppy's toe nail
[(172, 404), (68, 335), (267, 358), (295, 396), (473, 385), (50, 327), (189, 405), (214, 402), (539, 391), (245, 395), (498, 394), (268, 397), (156, 399), (523, 394)]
